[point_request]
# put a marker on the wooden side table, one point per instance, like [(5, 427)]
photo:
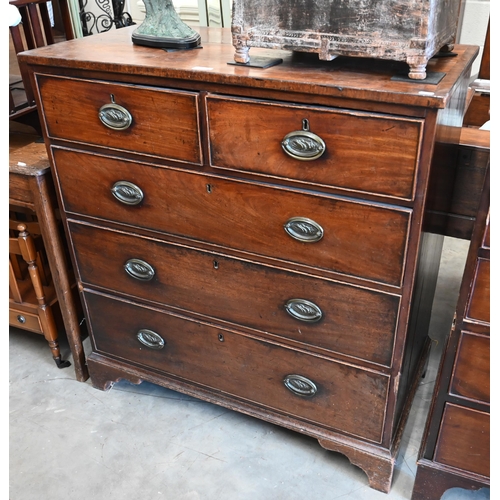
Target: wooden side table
[(31, 186)]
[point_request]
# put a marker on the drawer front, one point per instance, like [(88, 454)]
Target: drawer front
[(26, 321), (346, 398), (340, 318), (479, 301), (358, 239), (464, 439), (471, 374), (358, 151), (163, 122)]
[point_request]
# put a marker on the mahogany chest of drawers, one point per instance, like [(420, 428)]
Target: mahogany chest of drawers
[(253, 238), (455, 450)]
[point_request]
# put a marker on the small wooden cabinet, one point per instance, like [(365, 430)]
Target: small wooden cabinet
[(253, 237), (456, 446)]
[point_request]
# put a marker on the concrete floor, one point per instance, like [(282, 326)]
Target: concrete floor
[(69, 440)]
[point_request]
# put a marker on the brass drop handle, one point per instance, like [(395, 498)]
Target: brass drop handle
[(139, 269), (303, 144), (303, 229), (150, 339), (114, 116), (127, 192), (300, 386), (303, 310)]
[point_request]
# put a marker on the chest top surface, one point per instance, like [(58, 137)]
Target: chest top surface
[(353, 78)]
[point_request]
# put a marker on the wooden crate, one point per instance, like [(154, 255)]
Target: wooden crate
[(401, 30)]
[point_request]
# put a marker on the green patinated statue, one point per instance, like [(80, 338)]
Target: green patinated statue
[(162, 27)]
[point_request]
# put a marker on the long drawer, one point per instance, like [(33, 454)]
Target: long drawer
[(364, 152), (464, 439), (331, 394), (336, 234), (341, 318), (152, 121)]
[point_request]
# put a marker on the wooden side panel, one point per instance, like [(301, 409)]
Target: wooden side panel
[(486, 238)]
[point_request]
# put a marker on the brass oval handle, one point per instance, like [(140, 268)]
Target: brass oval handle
[(139, 269), (127, 192), (115, 117), (300, 386), (303, 144), (303, 310), (150, 339), (304, 229)]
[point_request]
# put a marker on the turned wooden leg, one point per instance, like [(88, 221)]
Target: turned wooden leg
[(49, 327), (447, 48), (241, 54), (50, 333), (418, 66)]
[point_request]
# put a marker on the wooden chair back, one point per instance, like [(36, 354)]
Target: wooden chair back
[(35, 30)]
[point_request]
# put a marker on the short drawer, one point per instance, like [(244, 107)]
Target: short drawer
[(478, 307), (161, 122), (24, 320), (314, 389), (341, 318), (326, 232), (464, 439), (364, 152), (471, 374)]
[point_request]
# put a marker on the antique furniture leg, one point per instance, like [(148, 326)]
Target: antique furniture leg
[(57, 261), (418, 65), (49, 327)]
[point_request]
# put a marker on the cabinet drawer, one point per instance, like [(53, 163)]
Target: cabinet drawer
[(163, 122), (330, 315), (353, 238), (471, 374), (26, 321), (464, 439), (479, 299), (363, 152), (243, 367)]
